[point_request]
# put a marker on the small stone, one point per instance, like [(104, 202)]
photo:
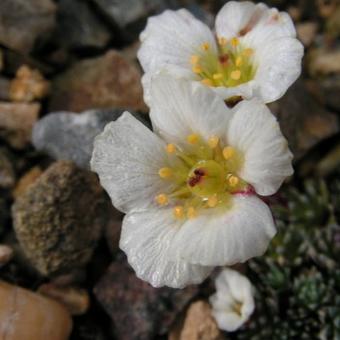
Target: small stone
[(70, 136), (76, 300), (326, 7), (7, 173), (16, 122), (83, 28), (330, 89), (24, 22), (306, 32), (28, 85), (109, 81), (26, 180), (60, 217), (26, 315), (303, 121), (4, 88), (324, 61), (199, 324), (6, 254), (138, 310)]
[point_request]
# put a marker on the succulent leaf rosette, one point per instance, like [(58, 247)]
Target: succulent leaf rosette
[(253, 51), (190, 188)]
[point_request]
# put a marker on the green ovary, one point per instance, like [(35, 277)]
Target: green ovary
[(204, 177)]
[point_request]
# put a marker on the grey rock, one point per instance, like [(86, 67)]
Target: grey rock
[(60, 218), (130, 15), (139, 311), (70, 136), (83, 28), (23, 22), (303, 121)]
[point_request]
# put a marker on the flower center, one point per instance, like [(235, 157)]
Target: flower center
[(204, 176), (231, 66)]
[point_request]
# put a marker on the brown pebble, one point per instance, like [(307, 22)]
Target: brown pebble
[(26, 180), (6, 254), (25, 315), (199, 324), (76, 300), (28, 85)]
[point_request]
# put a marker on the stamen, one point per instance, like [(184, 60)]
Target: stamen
[(222, 41), (235, 75), (162, 199), (192, 213), (197, 69), (193, 139), (234, 42), (217, 76), (238, 61), (178, 212), (170, 148), (205, 46), (228, 152), (213, 142), (212, 201), (207, 82), (233, 180), (194, 59), (248, 52), (165, 172)]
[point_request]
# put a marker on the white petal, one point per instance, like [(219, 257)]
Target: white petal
[(180, 108), (242, 232), (228, 321), (231, 282), (231, 288), (271, 26), (127, 157), (245, 90), (146, 237), (235, 16), (255, 132), (279, 65), (172, 38)]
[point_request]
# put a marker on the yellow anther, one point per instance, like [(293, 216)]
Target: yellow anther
[(165, 172), (238, 61), (217, 76), (193, 139), (228, 152), (205, 46), (191, 213), (235, 75), (194, 59), (222, 41), (212, 201), (233, 180), (207, 82), (178, 212), (248, 52), (234, 42), (170, 148), (213, 141), (197, 69), (162, 199)]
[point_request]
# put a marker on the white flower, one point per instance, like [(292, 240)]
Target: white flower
[(255, 52), (188, 190), (233, 302)]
